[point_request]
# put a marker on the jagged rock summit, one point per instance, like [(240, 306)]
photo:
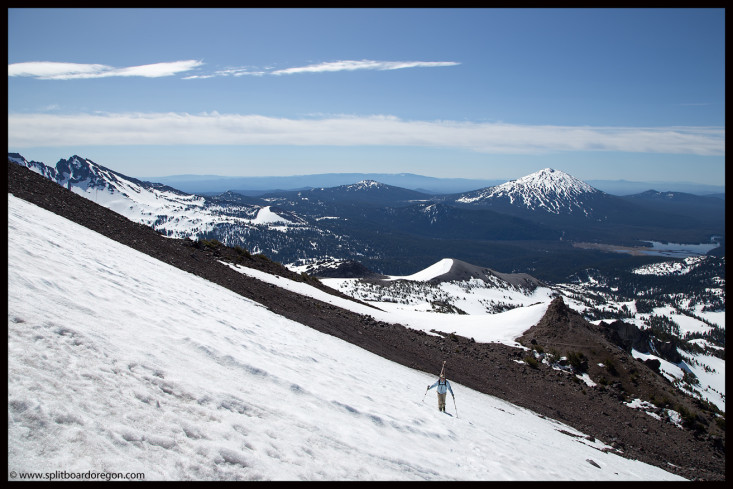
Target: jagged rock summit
[(83, 175)]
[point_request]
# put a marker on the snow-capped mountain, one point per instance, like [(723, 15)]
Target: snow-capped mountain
[(582, 213), (165, 209), (548, 190), (80, 174)]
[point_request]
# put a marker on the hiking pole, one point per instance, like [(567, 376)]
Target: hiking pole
[(426, 393), (454, 405)]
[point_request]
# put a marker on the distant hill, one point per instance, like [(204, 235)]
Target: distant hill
[(210, 184), (625, 187), (364, 191)]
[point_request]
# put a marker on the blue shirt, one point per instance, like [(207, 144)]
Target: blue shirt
[(442, 388)]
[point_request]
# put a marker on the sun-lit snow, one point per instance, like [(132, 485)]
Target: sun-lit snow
[(682, 267), (120, 363), (364, 184), (436, 270), (267, 216)]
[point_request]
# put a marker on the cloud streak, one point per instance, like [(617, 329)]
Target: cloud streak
[(51, 70), (30, 130), (236, 72), (327, 67), (365, 64)]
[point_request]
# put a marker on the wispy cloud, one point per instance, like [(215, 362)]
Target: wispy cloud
[(331, 66), (51, 70), (244, 71), (28, 130), (365, 64)]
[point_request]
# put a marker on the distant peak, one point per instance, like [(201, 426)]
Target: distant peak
[(552, 190), (365, 184)]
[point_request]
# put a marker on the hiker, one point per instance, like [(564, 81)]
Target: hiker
[(443, 386)]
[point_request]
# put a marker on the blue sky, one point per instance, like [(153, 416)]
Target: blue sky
[(490, 93)]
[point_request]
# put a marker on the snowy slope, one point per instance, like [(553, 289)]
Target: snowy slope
[(120, 363), (436, 270)]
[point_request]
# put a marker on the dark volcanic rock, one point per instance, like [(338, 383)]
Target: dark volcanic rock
[(462, 271), (487, 368), (629, 336)]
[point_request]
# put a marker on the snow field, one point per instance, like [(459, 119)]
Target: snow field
[(502, 327), (118, 362)]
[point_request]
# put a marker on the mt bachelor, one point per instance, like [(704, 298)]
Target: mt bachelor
[(549, 190)]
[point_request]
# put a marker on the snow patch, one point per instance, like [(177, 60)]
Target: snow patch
[(267, 216), (436, 270)]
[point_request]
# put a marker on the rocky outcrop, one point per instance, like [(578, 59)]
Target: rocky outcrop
[(629, 336)]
